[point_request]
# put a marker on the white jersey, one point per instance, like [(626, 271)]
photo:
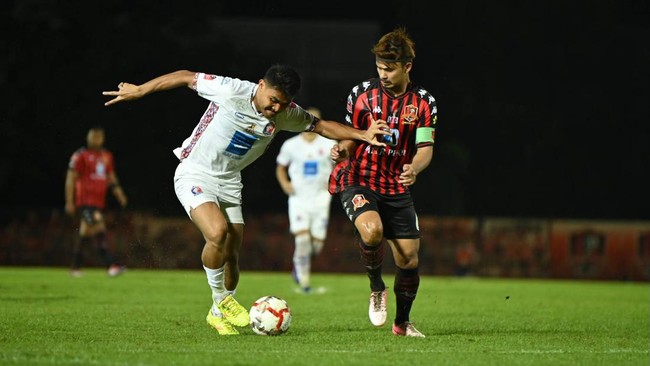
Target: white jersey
[(231, 134), (309, 165)]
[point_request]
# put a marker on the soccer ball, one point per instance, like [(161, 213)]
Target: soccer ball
[(270, 315)]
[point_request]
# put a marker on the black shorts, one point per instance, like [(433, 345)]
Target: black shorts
[(397, 212), (91, 215)]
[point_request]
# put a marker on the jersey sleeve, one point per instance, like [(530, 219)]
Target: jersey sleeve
[(426, 130), (75, 160), (216, 88), (296, 119), (350, 105), (358, 109)]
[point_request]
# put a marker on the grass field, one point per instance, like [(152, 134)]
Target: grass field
[(156, 317)]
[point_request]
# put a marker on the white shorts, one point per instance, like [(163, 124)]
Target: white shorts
[(310, 214), (193, 190)]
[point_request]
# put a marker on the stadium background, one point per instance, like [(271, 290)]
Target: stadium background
[(543, 121)]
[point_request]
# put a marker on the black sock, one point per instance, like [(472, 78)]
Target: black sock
[(372, 257), (77, 252), (407, 282), (102, 249)]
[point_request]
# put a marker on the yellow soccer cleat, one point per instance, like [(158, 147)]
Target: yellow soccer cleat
[(233, 312), (220, 324)]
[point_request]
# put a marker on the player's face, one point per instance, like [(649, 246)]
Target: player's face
[(95, 139), (270, 101), (394, 76)]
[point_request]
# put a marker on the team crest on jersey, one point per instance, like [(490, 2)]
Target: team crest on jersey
[(196, 190), (410, 114), (359, 201), (269, 129)]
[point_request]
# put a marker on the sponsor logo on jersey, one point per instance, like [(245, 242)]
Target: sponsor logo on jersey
[(240, 144), (196, 190)]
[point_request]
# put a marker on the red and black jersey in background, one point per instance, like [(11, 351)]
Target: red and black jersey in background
[(93, 168), (375, 167)]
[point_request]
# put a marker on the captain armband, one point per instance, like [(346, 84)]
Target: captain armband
[(425, 135)]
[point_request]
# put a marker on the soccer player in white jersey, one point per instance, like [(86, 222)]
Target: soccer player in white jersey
[(240, 121), (303, 168)]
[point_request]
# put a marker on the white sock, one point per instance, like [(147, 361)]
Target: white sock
[(216, 283), (302, 260), (317, 246)]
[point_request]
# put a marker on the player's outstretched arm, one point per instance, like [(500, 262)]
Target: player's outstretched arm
[(127, 91), (338, 131)]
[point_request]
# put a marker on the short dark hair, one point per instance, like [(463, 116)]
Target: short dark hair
[(283, 78)]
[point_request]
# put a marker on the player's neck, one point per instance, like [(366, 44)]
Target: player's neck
[(398, 90), (308, 136)]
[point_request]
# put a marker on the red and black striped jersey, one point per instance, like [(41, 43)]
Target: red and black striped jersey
[(93, 168), (375, 167)]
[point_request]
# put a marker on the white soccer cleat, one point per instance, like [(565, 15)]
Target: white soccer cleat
[(115, 270), (406, 329), (377, 308)]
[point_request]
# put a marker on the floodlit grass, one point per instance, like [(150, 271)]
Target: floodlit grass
[(157, 317)]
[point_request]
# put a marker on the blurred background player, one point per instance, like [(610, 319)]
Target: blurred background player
[(303, 169), (374, 182), (91, 172)]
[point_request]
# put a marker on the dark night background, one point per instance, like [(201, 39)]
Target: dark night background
[(542, 104)]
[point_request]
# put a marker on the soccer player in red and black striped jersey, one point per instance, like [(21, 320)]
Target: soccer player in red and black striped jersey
[(372, 181), (91, 174)]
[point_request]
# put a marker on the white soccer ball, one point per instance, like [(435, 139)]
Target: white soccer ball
[(270, 315)]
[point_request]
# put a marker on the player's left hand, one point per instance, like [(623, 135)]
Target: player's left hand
[(338, 153), (408, 175)]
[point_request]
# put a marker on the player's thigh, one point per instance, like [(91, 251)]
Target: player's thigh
[(319, 223), (298, 212), (91, 221), (405, 252), (361, 207), (209, 219)]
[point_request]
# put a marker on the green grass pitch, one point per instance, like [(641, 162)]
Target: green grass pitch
[(157, 317)]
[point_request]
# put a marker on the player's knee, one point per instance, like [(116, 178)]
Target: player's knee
[(216, 236), (372, 233), (407, 261)]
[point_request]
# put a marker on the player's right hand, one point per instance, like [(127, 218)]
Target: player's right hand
[(125, 92), (378, 129)]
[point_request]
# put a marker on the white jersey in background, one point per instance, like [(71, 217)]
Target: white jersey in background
[(309, 165), (231, 134)]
